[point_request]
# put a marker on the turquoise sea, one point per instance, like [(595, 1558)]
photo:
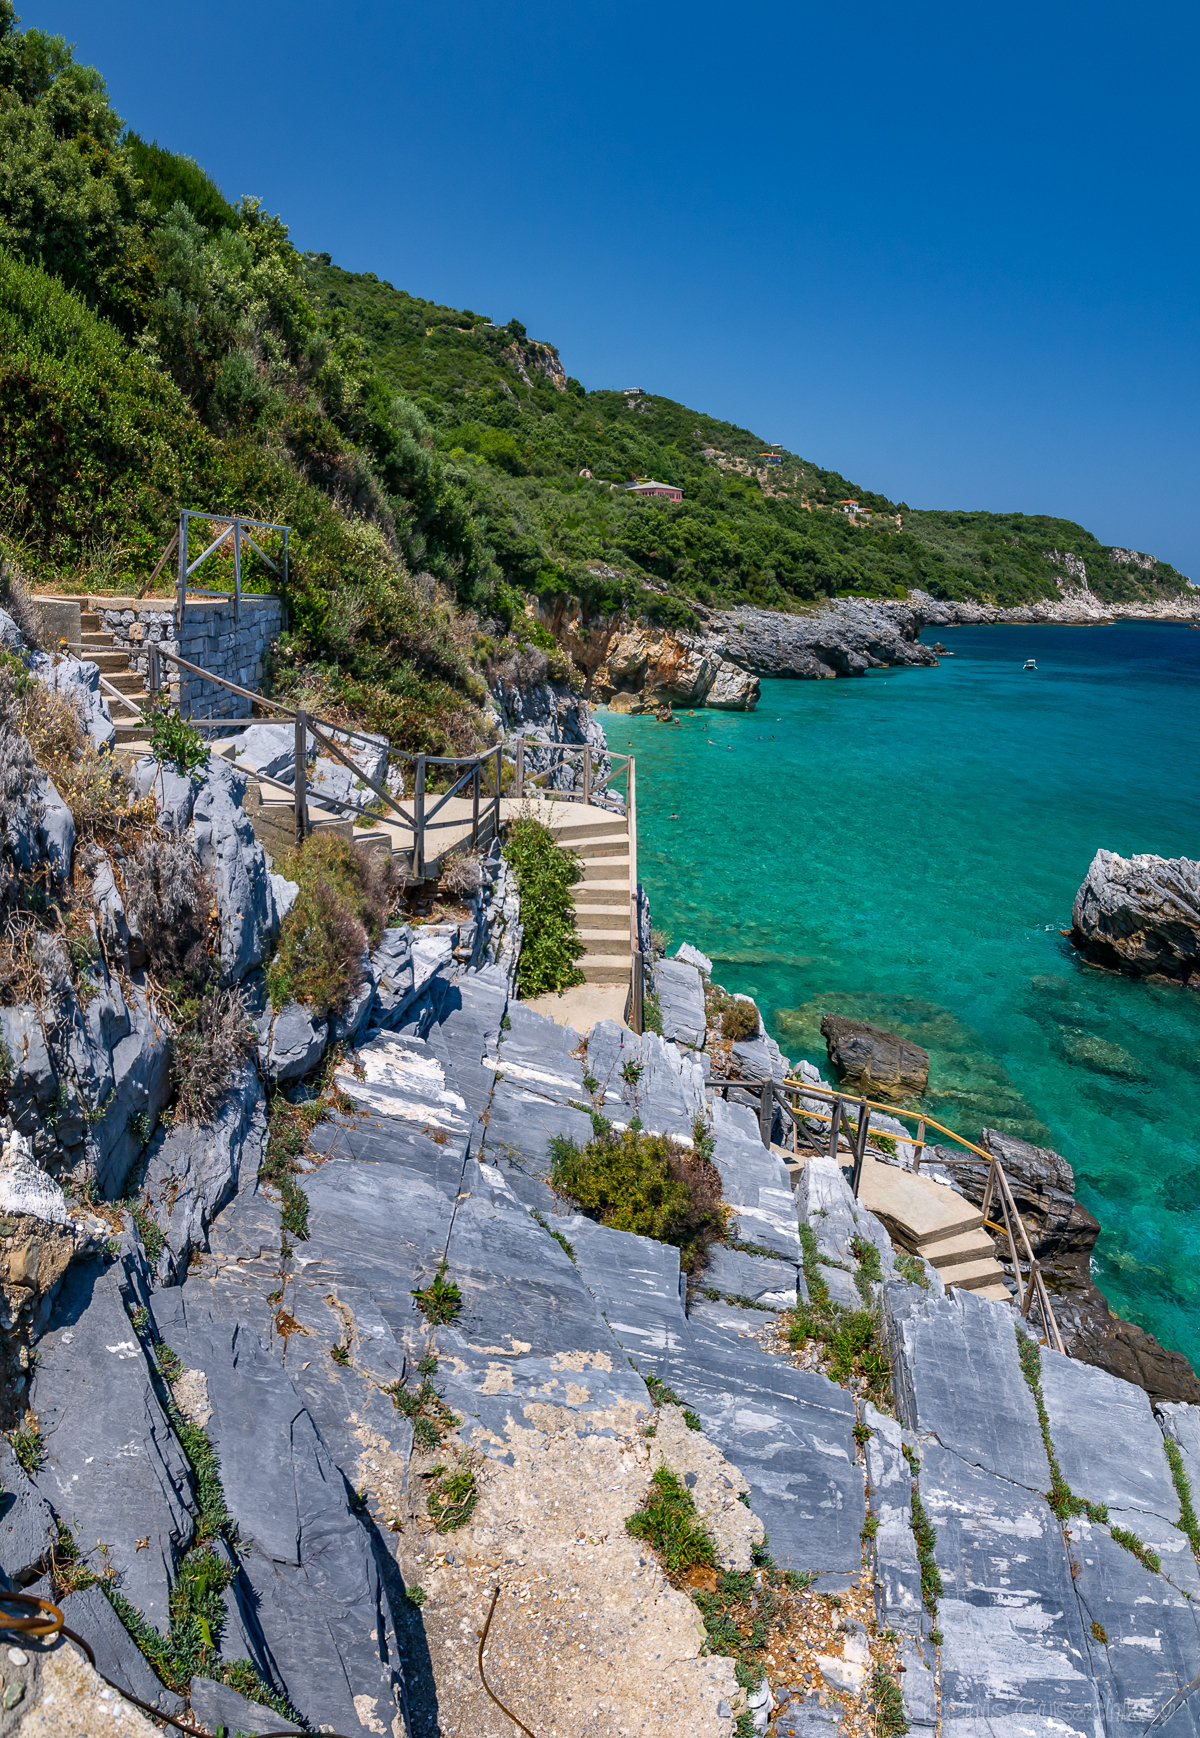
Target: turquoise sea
[(905, 847)]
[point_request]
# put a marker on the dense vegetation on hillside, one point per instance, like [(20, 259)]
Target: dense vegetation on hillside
[(160, 346)]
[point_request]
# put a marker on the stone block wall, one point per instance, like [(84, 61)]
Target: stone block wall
[(208, 638)]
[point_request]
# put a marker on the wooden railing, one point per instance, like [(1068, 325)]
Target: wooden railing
[(589, 785), (1031, 1287), (422, 819)]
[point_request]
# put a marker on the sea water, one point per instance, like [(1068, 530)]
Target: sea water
[(905, 848)]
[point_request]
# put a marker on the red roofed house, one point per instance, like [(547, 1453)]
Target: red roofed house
[(667, 490)]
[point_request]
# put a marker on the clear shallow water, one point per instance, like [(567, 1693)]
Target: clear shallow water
[(906, 847)]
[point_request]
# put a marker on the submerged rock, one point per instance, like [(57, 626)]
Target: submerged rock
[(1140, 914), (868, 1058)]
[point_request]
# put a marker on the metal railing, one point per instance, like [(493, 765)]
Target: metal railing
[(1031, 1287)]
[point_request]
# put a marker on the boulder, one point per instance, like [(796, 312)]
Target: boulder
[(693, 957), (236, 866), (291, 1042), (1043, 1185), (78, 681), (873, 1061), (1141, 915), (192, 1171), (174, 792), (681, 997), (733, 689), (56, 832)]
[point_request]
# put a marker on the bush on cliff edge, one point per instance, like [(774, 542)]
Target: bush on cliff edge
[(340, 910), (545, 876)]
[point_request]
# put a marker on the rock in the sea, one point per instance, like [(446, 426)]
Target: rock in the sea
[(1140, 914), (872, 1060), (1043, 1186)]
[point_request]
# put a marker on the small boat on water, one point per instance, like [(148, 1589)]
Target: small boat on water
[(1030, 664)]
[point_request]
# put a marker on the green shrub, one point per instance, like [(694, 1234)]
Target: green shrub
[(545, 876), (173, 742), (341, 908), (668, 1522), (891, 1720), (453, 1495), (440, 1301), (647, 1184), (740, 1022)]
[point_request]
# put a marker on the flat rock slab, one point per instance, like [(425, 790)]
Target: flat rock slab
[(958, 1378), (754, 1182), (680, 993), (217, 1706), (113, 1469), (308, 1559), (1150, 1657), (753, 1276), (669, 1094), (789, 1433), (118, 1656), (27, 1531), (1014, 1642), (1106, 1439), (898, 1600)]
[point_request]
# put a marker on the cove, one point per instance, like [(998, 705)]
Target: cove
[(905, 847)]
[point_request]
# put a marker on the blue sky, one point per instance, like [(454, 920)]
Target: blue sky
[(949, 251)]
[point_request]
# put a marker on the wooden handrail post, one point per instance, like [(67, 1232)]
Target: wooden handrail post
[(237, 571), (834, 1124), (499, 782), (637, 993), (155, 672), (919, 1146), (181, 573), (766, 1113), (301, 776), (419, 821), (475, 806), (860, 1144), (587, 774), (520, 779)]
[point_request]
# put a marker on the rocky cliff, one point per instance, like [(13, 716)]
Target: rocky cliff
[(1140, 915)]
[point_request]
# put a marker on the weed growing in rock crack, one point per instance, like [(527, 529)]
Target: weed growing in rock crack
[(1146, 1557), (590, 1084), (661, 1395), (70, 1570), (891, 1719), (149, 1230), (740, 1611), (853, 1339), (763, 1249), (27, 1444), (424, 1405), (670, 1525), (540, 1219), (293, 1213), (652, 1019), (911, 1268), (741, 1302), (1187, 1522), (453, 1494), (416, 1596), (869, 1528), (1062, 1500), (926, 1538), (870, 1267), (441, 1301), (862, 1433), (340, 1355), (1099, 1633), (648, 1184)]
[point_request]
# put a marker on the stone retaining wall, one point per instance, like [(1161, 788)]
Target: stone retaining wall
[(208, 638)]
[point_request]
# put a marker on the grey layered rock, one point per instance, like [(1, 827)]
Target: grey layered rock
[(392, 966), (291, 1042), (898, 1599), (758, 1059), (216, 1705), (174, 792), (669, 1093), (1105, 1437), (1014, 1643), (681, 997), (236, 866), (192, 1171), (78, 681), (691, 956), (27, 1531), (284, 893), (113, 1470), (11, 638), (34, 1082), (825, 1201), (1140, 914), (957, 1377), (347, 1024), (873, 1061), (735, 1273), (754, 1181), (270, 749), (56, 831), (308, 1561), (845, 639), (110, 914), (1144, 1657)]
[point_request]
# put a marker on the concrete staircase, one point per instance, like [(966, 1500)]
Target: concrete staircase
[(97, 647), (933, 1221), (601, 839)]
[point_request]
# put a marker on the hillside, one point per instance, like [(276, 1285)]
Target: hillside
[(162, 346)]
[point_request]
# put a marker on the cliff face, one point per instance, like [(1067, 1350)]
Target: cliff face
[(635, 665)]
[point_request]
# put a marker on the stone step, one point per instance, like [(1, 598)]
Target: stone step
[(127, 681), (90, 641), (89, 621), (607, 917), (605, 968), (603, 941), (951, 1252), (596, 850), (110, 663), (974, 1275), (607, 869), (602, 892)]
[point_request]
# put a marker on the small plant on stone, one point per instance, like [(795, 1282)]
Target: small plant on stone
[(340, 1355), (416, 1596), (1099, 1633), (453, 1495), (139, 1127), (652, 1019), (441, 1301), (891, 1720), (567, 1248), (740, 1022), (149, 1230), (27, 1444), (669, 1523), (912, 1268), (173, 742)]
